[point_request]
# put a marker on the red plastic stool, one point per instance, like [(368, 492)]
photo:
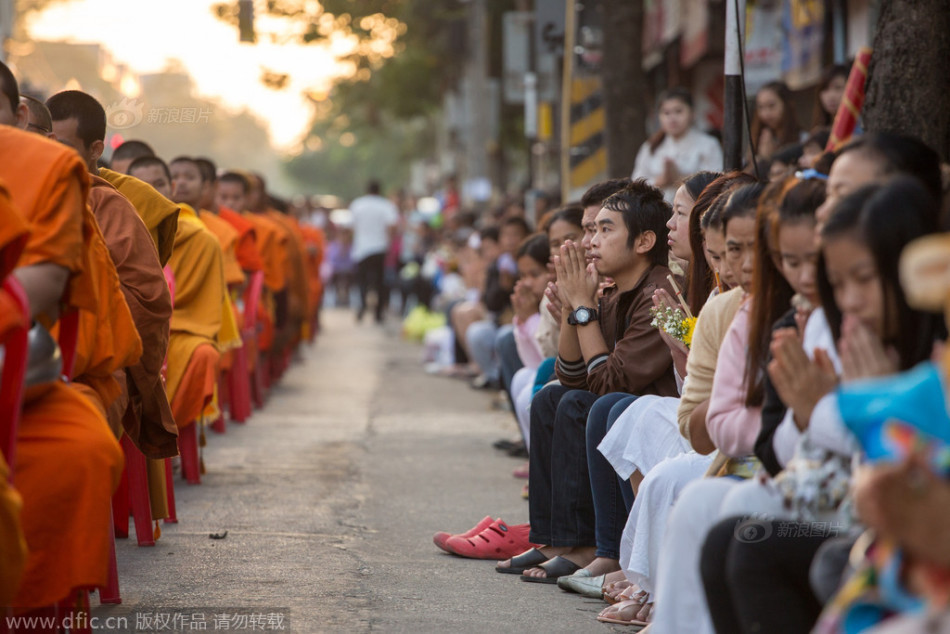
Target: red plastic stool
[(170, 491), (188, 449)]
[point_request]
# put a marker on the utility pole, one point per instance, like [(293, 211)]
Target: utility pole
[(733, 102), (567, 81)]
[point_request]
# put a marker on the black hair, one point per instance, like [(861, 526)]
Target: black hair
[(517, 221), (374, 187), (149, 161), (603, 190), (869, 215), (679, 94), (209, 171), (9, 86), (700, 278), (572, 214), (902, 153), (696, 183), (193, 161), (537, 247), (742, 203), (89, 113), (132, 150), (489, 233), (789, 132), (643, 209), (788, 154), (234, 177), (819, 136)]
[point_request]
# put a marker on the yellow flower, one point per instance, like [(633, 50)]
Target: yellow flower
[(689, 324)]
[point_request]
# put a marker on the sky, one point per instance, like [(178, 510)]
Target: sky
[(145, 35)]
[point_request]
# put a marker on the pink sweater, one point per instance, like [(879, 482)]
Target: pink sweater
[(528, 348), (732, 426)]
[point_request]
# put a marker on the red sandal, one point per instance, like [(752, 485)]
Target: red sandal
[(498, 541), (441, 537)]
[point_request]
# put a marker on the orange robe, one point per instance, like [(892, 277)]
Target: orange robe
[(193, 355), (149, 422), (246, 249), (159, 214), (315, 241), (14, 232), (227, 237), (68, 463), (271, 243), (295, 269)]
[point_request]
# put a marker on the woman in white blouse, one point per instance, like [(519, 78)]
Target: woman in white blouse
[(677, 149)]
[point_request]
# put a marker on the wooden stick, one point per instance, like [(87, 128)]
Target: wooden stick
[(718, 281), (679, 296)]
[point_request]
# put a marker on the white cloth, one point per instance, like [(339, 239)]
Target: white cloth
[(522, 388), (642, 536), (680, 597), (694, 152), (372, 218), (643, 436)]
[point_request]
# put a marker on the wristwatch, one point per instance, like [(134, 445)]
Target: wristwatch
[(582, 315)]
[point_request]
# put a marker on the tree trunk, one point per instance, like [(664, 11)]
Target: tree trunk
[(908, 88), (624, 82)]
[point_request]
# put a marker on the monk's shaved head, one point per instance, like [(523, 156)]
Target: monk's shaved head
[(209, 176), (79, 121), (187, 181), (123, 155), (232, 191), (153, 171), (40, 119), (12, 112)]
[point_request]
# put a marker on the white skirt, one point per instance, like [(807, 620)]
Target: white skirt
[(646, 434), (643, 534)]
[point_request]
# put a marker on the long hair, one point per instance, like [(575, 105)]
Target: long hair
[(700, 278), (785, 202), (885, 218), (788, 128), (822, 118)]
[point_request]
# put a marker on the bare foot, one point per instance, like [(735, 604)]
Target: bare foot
[(602, 566), (623, 611), (548, 551), (580, 556)]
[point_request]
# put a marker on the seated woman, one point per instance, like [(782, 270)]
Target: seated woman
[(866, 313)]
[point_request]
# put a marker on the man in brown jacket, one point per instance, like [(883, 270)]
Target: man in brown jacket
[(606, 345)]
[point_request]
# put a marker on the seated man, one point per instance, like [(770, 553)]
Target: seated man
[(610, 348), (68, 463)]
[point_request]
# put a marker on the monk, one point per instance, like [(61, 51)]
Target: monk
[(200, 299), (68, 463), (229, 201), (14, 232), (80, 122), (123, 155), (223, 230), (39, 120)]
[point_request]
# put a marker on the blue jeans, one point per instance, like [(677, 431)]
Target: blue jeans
[(507, 352), (559, 496), (613, 497)]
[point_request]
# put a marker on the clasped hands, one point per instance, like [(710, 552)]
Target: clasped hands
[(577, 281), (801, 382)]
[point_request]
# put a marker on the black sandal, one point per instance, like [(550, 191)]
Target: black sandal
[(530, 559), (556, 567)]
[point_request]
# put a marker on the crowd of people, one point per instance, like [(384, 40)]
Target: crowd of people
[(706, 368), (143, 300)]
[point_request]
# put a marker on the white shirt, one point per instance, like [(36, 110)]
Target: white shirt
[(372, 217), (693, 152)]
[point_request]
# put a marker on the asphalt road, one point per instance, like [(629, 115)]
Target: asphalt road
[(330, 496)]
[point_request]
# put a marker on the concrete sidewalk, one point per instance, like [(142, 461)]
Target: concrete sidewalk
[(330, 496)]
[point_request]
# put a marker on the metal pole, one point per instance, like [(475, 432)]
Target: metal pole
[(567, 77), (732, 102), (531, 134)]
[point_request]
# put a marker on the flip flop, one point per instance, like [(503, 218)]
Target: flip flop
[(556, 567), (530, 559)]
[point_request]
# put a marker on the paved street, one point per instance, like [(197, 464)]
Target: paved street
[(330, 496)]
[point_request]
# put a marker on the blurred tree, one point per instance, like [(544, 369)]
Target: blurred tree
[(908, 87), (624, 107)]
